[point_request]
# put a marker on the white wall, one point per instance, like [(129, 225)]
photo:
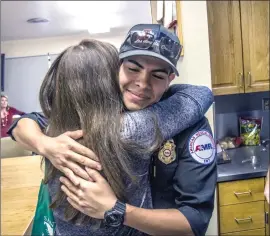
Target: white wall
[(23, 80), (34, 47)]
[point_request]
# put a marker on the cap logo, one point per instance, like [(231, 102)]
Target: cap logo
[(143, 37), (147, 30)]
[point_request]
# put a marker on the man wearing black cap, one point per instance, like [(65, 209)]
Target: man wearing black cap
[(183, 171)]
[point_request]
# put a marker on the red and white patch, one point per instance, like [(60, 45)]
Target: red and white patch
[(202, 147)]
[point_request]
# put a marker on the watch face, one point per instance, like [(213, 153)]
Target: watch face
[(113, 219)]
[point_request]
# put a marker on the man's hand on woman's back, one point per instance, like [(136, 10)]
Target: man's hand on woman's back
[(66, 154)]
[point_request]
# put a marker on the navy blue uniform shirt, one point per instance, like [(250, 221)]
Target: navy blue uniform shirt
[(188, 182)]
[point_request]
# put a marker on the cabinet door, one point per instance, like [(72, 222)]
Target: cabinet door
[(244, 216), (225, 47), (241, 191), (255, 232), (255, 34)]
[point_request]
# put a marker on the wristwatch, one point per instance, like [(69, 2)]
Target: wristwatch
[(115, 217)]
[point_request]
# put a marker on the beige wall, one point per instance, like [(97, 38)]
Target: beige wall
[(194, 67)]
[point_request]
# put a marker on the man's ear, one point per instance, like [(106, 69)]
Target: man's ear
[(171, 77)]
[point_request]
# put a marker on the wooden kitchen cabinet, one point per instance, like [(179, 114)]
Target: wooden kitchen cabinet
[(240, 191), (239, 46), (255, 34), (240, 217), (255, 232), (267, 232), (225, 47), (241, 207)]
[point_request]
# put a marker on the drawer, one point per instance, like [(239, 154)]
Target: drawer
[(241, 191), (255, 232), (244, 216)]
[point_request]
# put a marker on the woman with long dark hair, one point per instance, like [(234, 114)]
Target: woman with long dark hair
[(81, 91)]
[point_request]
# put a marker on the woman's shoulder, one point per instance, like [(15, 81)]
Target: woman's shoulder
[(11, 108), (14, 111)]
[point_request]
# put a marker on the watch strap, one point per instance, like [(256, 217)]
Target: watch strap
[(120, 207)]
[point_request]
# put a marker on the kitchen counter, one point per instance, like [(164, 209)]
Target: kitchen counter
[(236, 170)]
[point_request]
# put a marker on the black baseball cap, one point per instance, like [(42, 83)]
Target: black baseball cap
[(152, 40)]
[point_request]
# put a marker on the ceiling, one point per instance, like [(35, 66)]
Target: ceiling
[(70, 17)]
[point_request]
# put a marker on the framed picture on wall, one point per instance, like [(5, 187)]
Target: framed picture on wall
[(2, 72), (168, 13), (179, 30), (175, 21)]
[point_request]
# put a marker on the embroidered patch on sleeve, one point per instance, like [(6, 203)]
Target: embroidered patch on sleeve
[(202, 147)]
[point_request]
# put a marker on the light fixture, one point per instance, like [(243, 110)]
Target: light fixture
[(37, 20), (87, 14), (88, 8), (98, 27)]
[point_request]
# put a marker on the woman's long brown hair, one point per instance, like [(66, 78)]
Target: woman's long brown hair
[(81, 91)]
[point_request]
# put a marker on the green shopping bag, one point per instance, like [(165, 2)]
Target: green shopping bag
[(43, 223)]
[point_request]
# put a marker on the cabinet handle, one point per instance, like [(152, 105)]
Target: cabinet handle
[(266, 218), (249, 79), (242, 193), (249, 219), (241, 80)]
